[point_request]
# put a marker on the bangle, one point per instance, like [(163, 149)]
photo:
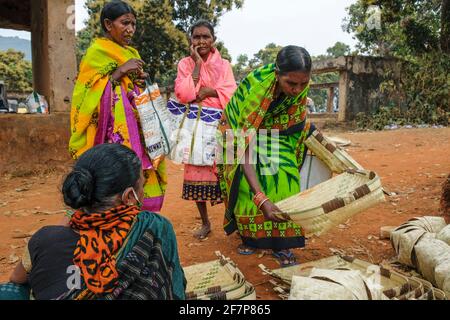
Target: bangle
[(114, 83), (262, 202), (258, 198)]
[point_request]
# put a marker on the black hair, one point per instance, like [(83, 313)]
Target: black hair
[(100, 174), (202, 23), (113, 10), (293, 58)]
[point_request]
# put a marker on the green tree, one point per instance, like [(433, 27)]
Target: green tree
[(405, 27), (339, 49), (241, 69), (16, 71), (265, 56)]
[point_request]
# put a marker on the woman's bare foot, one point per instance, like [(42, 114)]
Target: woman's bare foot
[(203, 232)]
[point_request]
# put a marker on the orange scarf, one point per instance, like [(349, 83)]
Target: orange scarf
[(101, 236)]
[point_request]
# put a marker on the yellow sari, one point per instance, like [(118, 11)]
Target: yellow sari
[(104, 113)]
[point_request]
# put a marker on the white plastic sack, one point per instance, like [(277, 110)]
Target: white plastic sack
[(37, 103), (156, 121), (195, 142)]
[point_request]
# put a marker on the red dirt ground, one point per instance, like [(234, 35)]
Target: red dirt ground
[(413, 163)]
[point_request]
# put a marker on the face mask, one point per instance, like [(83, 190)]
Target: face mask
[(138, 202)]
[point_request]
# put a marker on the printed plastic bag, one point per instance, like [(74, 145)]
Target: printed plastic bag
[(195, 141), (37, 104), (156, 122)]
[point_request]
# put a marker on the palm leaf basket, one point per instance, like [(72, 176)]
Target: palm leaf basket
[(384, 284), (390, 285), (335, 158), (334, 201), (217, 280)]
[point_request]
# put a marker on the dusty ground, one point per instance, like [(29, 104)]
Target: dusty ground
[(412, 163)]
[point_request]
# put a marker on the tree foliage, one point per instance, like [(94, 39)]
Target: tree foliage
[(162, 27), (263, 57), (404, 28), (16, 71)]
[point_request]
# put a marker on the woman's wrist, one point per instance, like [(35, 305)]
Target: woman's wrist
[(259, 199), (118, 74)]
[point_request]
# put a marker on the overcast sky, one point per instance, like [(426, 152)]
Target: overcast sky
[(314, 24)]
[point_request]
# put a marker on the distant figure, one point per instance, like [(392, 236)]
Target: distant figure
[(310, 105), (203, 78)]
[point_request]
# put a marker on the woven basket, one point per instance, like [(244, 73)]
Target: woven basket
[(349, 279), (336, 159), (429, 224), (444, 235), (415, 291), (304, 288), (442, 272), (398, 232), (406, 246), (382, 282), (429, 253), (428, 290), (214, 280), (333, 202), (439, 294), (249, 294), (446, 287)]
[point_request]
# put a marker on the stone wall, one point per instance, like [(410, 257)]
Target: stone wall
[(359, 83), (33, 142)]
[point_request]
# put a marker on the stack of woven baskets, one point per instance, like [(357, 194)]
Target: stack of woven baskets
[(347, 278), (217, 280), (424, 243), (333, 202)]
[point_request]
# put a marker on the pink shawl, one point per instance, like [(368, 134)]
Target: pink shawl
[(215, 73)]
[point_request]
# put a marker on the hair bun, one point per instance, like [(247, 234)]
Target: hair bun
[(78, 189)]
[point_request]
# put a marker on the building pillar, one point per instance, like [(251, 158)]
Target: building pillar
[(54, 59), (343, 95), (330, 100)]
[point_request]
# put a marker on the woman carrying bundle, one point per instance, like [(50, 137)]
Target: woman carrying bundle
[(103, 109)]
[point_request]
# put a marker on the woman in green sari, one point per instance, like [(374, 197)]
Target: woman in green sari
[(265, 168)]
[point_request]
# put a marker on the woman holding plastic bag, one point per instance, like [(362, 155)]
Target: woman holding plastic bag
[(103, 109), (207, 79)]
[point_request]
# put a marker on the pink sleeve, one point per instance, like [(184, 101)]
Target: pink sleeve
[(226, 88), (185, 89)]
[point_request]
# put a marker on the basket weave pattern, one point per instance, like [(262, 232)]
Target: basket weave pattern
[(418, 245)]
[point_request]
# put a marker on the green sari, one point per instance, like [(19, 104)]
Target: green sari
[(278, 159)]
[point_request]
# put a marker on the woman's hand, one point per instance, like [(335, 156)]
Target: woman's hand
[(273, 213), (131, 66), (195, 55), (206, 92)]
